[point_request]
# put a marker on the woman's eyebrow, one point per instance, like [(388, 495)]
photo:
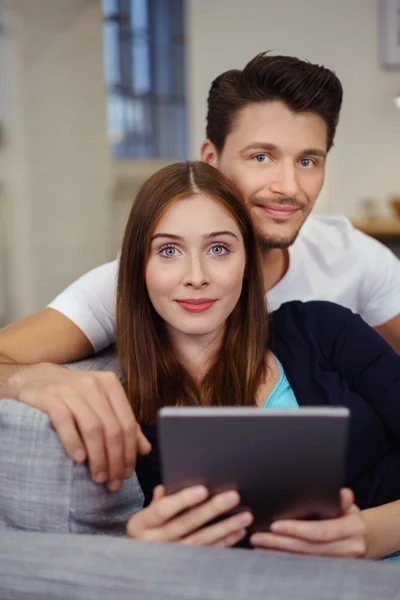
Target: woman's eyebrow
[(207, 236), (218, 233), (170, 236)]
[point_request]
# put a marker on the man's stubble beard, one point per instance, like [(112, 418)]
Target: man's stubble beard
[(267, 242)]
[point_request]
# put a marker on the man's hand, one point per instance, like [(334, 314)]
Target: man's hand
[(91, 415), (344, 536), (182, 517)]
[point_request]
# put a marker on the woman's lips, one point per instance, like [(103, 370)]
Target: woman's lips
[(196, 306)]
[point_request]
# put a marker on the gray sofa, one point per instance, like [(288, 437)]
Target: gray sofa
[(62, 537)]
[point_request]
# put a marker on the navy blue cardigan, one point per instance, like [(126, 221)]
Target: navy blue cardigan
[(332, 357)]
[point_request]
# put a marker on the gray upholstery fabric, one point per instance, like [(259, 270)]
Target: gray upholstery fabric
[(103, 361), (41, 489), (66, 567)]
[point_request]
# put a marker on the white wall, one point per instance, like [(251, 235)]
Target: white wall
[(63, 201), (3, 111), (342, 35), (56, 175)]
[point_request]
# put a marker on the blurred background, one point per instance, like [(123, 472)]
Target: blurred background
[(95, 96)]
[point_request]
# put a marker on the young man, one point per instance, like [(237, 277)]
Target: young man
[(269, 129)]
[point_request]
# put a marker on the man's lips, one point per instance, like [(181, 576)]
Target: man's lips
[(278, 211), (196, 305)]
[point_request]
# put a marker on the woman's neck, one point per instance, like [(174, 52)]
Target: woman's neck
[(196, 352)]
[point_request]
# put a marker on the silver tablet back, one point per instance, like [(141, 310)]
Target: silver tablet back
[(284, 463)]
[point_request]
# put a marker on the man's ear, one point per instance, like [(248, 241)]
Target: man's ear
[(208, 153)]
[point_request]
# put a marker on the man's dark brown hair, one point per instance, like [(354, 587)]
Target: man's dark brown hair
[(300, 85)]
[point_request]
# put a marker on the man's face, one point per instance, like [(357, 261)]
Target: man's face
[(277, 160)]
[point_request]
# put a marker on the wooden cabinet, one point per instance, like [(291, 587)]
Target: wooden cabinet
[(379, 228)]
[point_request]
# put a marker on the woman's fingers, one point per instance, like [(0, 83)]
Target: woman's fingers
[(183, 517), (350, 547), (226, 532), (346, 500), (163, 509), (158, 492), (345, 535), (197, 517), (231, 539)]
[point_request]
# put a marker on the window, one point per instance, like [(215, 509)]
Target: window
[(144, 65)]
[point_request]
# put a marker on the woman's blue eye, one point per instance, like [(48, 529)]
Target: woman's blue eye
[(168, 252), (260, 158), (219, 250)]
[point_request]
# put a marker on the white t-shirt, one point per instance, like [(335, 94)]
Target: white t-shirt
[(330, 260)]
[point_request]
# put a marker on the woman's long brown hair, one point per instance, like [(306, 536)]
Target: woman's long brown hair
[(152, 373)]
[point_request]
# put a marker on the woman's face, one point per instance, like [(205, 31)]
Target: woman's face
[(196, 265)]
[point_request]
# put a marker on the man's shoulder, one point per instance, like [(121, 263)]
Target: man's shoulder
[(329, 237), (327, 244), (330, 240), (328, 231), (312, 311)]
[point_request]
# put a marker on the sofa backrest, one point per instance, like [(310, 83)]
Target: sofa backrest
[(41, 489)]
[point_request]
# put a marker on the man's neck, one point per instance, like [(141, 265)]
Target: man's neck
[(275, 263)]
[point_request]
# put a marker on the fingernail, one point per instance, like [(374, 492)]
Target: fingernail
[(114, 486), (100, 477), (79, 455), (277, 527), (245, 518), (199, 492), (256, 539), (231, 498)]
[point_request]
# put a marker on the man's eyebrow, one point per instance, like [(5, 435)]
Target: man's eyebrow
[(313, 152), (265, 147), (172, 236)]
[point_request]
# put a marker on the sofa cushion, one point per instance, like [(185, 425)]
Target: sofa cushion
[(106, 360), (41, 489), (36, 566)]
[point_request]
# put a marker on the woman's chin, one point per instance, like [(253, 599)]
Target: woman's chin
[(195, 329)]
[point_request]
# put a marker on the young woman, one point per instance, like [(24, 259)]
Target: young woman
[(193, 329)]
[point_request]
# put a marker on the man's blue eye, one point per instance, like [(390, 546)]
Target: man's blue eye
[(306, 162)]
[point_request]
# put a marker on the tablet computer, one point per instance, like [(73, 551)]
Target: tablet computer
[(284, 463)]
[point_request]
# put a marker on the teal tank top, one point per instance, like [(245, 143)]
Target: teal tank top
[(282, 396)]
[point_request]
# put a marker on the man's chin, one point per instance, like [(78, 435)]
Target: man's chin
[(268, 242), (277, 233)]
